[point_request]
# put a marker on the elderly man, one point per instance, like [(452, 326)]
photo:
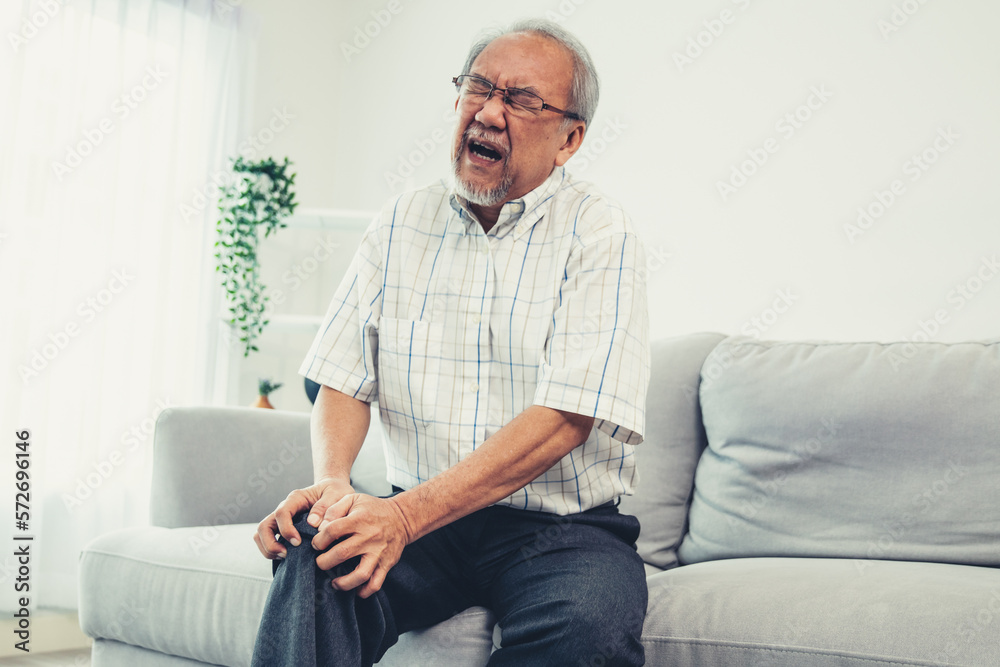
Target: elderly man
[(501, 325)]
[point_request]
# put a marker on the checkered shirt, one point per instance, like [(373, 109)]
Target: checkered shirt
[(455, 332)]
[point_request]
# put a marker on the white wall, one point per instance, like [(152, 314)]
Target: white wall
[(672, 133)]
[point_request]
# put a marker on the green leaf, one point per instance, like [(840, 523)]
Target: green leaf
[(261, 195)]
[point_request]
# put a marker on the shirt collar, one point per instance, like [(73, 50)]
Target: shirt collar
[(521, 214)]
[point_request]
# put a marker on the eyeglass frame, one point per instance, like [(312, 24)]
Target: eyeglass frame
[(506, 95)]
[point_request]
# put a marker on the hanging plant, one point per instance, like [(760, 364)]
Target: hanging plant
[(259, 196)]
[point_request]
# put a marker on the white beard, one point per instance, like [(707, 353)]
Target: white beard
[(478, 195), (481, 196)]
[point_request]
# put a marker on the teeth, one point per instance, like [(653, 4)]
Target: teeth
[(484, 151)]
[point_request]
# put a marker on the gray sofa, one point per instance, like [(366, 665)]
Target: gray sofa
[(802, 504)]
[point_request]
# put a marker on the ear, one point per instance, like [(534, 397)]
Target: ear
[(573, 141)]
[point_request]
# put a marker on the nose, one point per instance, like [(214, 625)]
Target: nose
[(493, 113)]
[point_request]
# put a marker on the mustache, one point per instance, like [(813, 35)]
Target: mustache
[(479, 132)]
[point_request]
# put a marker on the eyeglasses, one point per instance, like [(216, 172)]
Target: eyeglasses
[(517, 99)]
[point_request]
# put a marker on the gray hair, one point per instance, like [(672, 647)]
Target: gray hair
[(585, 87)]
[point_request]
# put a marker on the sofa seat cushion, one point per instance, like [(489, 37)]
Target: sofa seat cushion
[(109, 653), (199, 593), (849, 450), (788, 612)]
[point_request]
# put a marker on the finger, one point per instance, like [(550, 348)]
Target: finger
[(331, 495), (264, 538), (288, 508), (359, 576), (374, 584), (338, 510), (334, 524), (265, 552), (340, 552), (316, 513)]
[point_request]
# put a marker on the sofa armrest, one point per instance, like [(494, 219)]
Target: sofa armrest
[(216, 466)]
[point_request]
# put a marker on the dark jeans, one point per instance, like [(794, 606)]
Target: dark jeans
[(566, 591)]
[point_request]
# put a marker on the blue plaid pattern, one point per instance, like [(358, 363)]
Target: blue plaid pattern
[(455, 332)]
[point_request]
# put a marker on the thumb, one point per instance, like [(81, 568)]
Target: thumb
[(329, 498), (318, 510)]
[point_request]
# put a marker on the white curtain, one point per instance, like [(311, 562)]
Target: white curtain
[(114, 117)]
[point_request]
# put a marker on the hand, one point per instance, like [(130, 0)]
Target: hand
[(374, 529), (320, 496)]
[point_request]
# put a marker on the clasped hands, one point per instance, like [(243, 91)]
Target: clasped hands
[(373, 528)]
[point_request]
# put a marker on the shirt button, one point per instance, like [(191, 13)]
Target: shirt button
[(474, 386), (476, 319)]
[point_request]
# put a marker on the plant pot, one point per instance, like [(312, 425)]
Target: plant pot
[(262, 402)]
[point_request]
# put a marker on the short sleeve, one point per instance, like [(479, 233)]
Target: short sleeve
[(343, 355), (597, 358)]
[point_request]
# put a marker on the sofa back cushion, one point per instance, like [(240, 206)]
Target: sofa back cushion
[(852, 450), (221, 465), (217, 466), (674, 439)]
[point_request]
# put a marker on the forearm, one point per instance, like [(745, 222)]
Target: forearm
[(514, 456), (338, 427)]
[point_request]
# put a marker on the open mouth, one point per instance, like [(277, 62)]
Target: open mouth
[(484, 151)]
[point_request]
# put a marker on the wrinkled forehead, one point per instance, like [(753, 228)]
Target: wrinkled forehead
[(526, 60)]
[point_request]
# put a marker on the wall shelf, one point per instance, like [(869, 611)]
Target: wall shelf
[(331, 218), (302, 264)]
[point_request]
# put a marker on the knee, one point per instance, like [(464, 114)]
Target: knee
[(607, 635), (301, 559)]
